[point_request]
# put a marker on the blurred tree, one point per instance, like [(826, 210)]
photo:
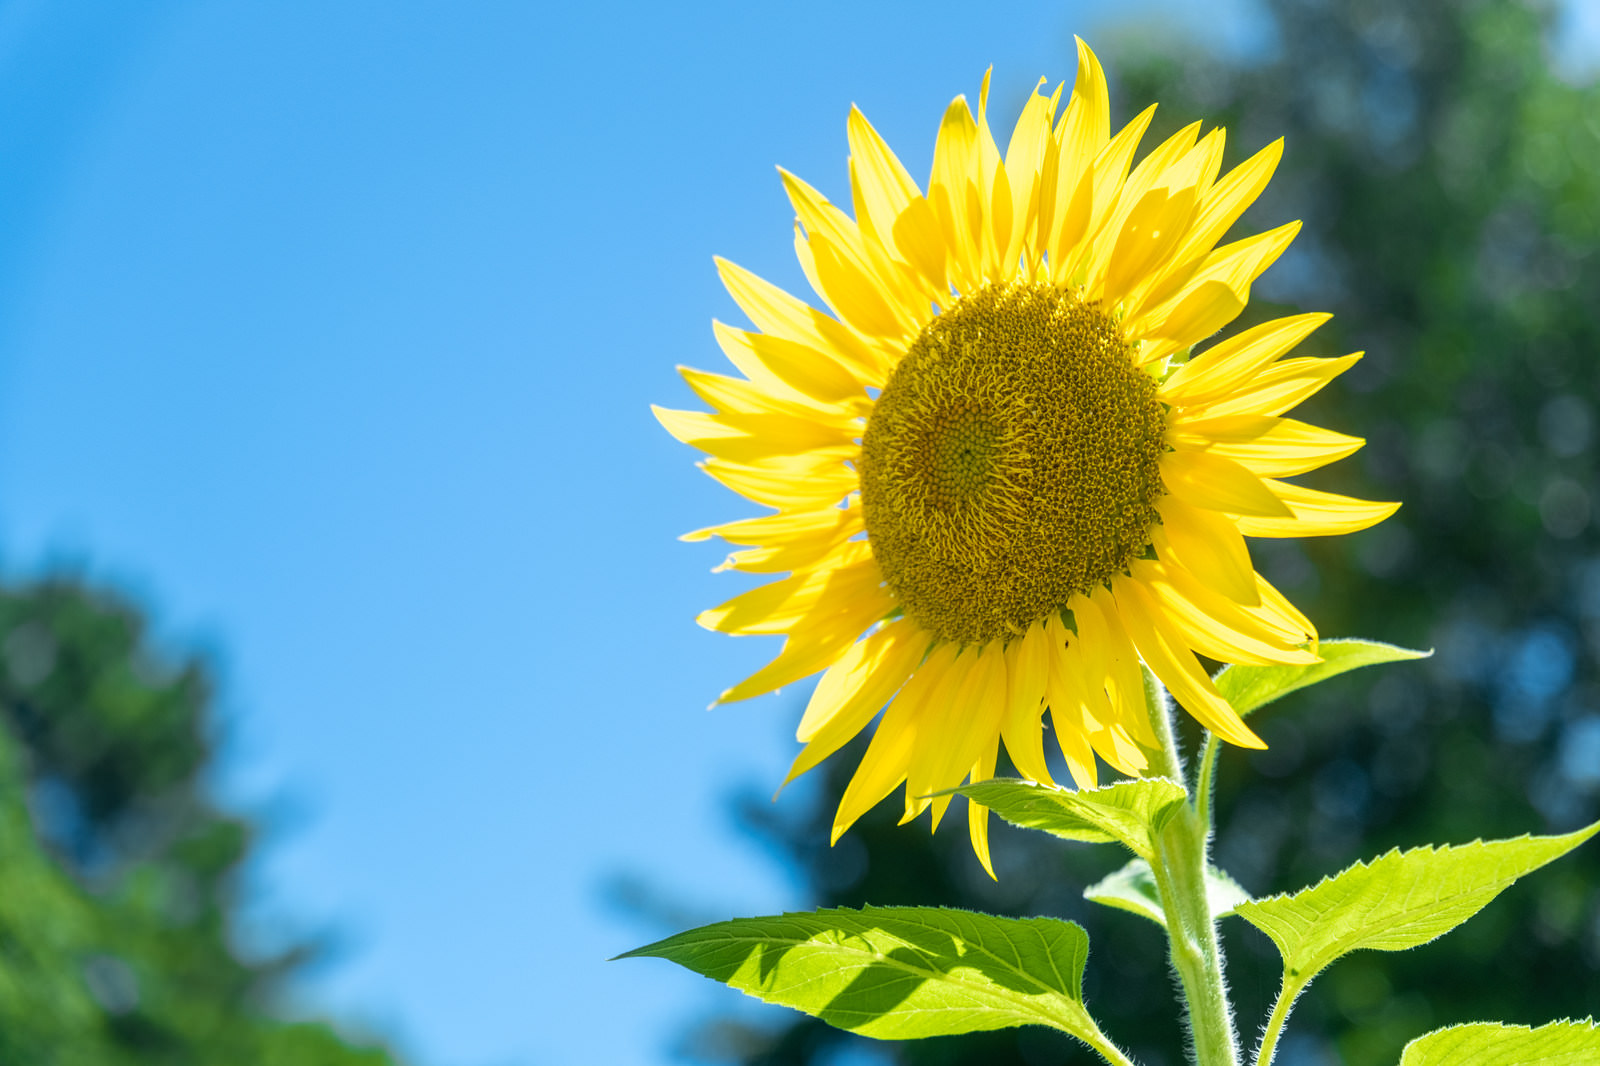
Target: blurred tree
[(118, 876), (1449, 179)]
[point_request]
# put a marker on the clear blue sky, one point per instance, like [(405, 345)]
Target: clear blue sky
[(330, 330)]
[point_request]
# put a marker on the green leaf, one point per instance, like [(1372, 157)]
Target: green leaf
[(1249, 687), (899, 972), (1493, 1044), (1133, 888), (1129, 812), (1398, 901)]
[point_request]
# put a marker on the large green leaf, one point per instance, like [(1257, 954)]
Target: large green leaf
[(1397, 901), (1250, 687), (1129, 812), (899, 972), (1133, 888), (1493, 1044)]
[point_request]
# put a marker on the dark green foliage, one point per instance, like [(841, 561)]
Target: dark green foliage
[(117, 874), (1450, 185)]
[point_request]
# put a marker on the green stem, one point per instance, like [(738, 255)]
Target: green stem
[(1108, 1051), (1180, 872), (1204, 783), (1280, 1014)]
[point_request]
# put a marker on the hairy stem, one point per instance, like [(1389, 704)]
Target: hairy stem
[(1180, 872), (1280, 1014), (1108, 1051), (1204, 781)]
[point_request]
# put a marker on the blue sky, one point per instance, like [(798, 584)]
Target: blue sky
[(330, 331)]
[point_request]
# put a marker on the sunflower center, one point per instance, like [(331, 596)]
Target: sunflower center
[(1012, 461)]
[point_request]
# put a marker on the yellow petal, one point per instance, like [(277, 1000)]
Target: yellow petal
[(1202, 479), (1220, 207), (1027, 669), (856, 296), (921, 240), (977, 814), (737, 396), (787, 482), (1108, 172), (1067, 181), (1066, 688), (1278, 388), (855, 689), (888, 756), (974, 725), (1212, 624), (815, 647), (1024, 160), (1269, 446), (886, 187), (779, 528), (774, 435), (952, 190), (1315, 514), (859, 281), (1124, 678), (777, 313), (777, 605), (1214, 296), (1151, 231), (945, 711), (1208, 545), (1226, 366), (1164, 651), (809, 370)]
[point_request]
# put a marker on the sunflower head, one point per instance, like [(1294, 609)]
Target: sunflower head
[(1000, 477)]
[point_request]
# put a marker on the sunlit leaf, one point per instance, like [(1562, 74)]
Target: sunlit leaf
[(1128, 812), (1399, 900), (1249, 687), (1493, 1044), (1133, 888), (899, 972)]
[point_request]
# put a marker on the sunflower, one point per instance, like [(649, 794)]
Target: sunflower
[(1000, 482)]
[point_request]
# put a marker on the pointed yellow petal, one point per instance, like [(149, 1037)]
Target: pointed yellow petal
[(778, 314), (1164, 651), (1124, 678), (886, 187), (889, 755), (1212, 624), (1220, 207), (1213, 297), (1024, 160), (1269, 446), (953, 191), (1276, 610), (1202, 479), (808, 370), (855, 689), (766, 395), (1277, 388), (945, 710), (787, 482), (779, 528), (1224, 367), (1027, 669), (1108, 172), (1068, 686), (1208, 545), (1148, 236), (777, 605), (1315, 514), (974, 725), (977, 814)]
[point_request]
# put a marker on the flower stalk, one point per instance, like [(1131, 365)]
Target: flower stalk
[(1180, 873)]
